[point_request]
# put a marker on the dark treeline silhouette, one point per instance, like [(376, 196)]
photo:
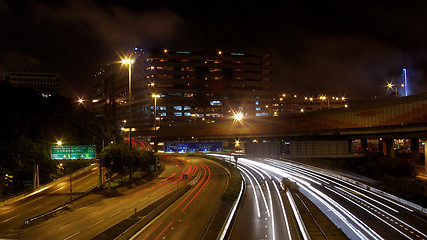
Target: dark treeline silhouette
[(31, 123)]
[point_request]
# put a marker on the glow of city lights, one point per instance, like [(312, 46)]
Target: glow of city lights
[(238, 116), (127, 61)]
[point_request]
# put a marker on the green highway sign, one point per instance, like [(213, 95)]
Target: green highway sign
[(73, 152)]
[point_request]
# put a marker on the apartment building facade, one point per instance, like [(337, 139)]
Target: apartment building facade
[(176, 87)]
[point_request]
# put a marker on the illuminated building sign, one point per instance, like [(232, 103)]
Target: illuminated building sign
[(183, 147)]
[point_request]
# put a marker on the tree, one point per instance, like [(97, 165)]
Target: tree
[(120, 159)]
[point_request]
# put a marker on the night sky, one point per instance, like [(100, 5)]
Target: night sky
[(350, 48)]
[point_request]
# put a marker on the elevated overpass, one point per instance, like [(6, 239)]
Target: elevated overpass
[(382, 120)]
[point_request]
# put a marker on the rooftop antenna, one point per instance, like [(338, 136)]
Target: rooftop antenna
[(405, 81)]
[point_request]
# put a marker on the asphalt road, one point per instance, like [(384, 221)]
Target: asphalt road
[(95, 213), (12, 216), (359, 211), (190, 215), (264, 213)]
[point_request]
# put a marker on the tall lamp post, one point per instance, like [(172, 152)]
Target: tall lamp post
[(59, 143), (129, 62)]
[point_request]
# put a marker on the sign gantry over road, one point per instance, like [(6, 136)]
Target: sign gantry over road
[(73, 152)]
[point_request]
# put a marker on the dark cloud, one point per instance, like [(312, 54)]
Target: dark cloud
[(75, 38), (352, 65), (350, 48)]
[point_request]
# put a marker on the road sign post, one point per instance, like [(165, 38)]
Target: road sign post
[(72, 153)]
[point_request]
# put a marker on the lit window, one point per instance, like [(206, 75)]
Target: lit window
[(178, 114), (216, 103), (178, 108)]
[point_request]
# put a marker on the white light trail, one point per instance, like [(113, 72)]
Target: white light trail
[(261, 191), (297, 215), (283, 211), (253, 190), (364, 208), (272, 212)]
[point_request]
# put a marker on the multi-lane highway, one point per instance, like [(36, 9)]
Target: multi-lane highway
[(189, 216), (13, 215), (91, 216), (355, 208)]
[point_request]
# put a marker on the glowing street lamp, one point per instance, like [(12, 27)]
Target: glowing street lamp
[(129, 62), (238, 117), (59, 143)]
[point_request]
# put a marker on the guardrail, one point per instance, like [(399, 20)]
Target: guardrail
[(417, 207), (149, 217), (44, 186), (298, 217), (52, 212), (225, 230)]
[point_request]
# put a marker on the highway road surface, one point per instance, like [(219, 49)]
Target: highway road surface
[(358, 210), (190, 216), (91, 216), (12, 216)]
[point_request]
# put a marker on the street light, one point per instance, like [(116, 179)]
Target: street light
[(59, 143), (238, 116), (129, 62)]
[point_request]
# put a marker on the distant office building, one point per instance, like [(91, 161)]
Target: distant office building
[(191, 86), (46, 83)]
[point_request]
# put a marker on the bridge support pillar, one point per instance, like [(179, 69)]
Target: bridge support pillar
[(415, 146), (388, 149)]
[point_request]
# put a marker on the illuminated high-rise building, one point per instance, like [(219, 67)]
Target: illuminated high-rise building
[(192, 87)]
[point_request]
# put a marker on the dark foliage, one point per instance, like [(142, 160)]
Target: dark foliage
[(120, 159), (31, 123)]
